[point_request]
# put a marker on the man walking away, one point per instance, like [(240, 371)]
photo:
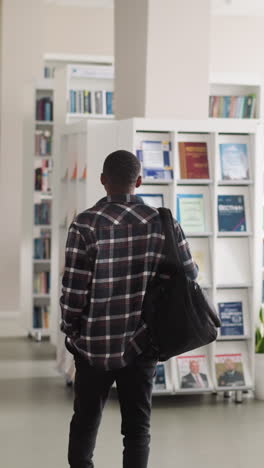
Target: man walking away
[(112, 252)]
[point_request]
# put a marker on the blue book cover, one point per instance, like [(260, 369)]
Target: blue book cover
[(160, 378), (234, 161), (231, 316), (109, 102), (231, 213), (155, 158)]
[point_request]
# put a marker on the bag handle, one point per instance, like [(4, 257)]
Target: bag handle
[(171, 246)]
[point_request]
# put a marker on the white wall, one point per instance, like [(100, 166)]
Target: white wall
[(30, 28), (21, 37), (79, 30), (237, 44)]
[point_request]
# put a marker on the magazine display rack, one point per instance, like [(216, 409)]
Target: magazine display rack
[(217, 205)]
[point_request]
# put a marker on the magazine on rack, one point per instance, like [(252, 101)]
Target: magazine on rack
[(193, 371)]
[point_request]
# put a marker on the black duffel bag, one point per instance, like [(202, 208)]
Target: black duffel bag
[(179, 315)]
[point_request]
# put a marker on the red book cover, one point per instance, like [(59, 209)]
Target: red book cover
[(193, 160)]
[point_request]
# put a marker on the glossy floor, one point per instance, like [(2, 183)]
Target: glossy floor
[(187, 432)]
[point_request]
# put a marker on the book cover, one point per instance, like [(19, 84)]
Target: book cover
[(231, 213), (231, 316), (190, 212), (193, 373), (234, 161), (155, 159), (193, 160), (152, 199), (159, 380), (229, 370), (199, 258)]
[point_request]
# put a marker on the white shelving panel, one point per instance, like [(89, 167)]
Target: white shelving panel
[(71, 173), (232, 267), (239, 84)]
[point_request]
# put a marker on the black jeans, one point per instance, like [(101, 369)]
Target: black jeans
[(134, 388)]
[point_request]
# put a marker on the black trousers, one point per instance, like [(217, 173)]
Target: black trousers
[(134, 389)]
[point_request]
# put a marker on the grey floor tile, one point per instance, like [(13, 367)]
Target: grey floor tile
[(187, 432)]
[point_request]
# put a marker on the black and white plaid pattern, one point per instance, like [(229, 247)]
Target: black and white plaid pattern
[(113, 249)]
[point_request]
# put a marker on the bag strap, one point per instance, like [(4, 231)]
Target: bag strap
[(171, 246)]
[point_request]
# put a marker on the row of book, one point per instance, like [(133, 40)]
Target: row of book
[(42, 213), (233, 106), (49, 72), (41, 282), (41, 316), (43, 173), (90, 102), (44, 109), (190, 213), (191, 372), (43, 139), (42, 247), (155, 158)]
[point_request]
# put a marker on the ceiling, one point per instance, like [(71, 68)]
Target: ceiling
[(219, 7)]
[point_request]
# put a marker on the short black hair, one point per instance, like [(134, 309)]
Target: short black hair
[(121, 168)]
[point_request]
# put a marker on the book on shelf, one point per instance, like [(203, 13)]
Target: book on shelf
[(231, 213), (159, 381), (234, 161), (229, 370), (43, 140), (192, 371), (41, 282), (42, 247), (41, 316), (233, 106), (49, 72), (43, 172), (199, 258), (84, 101), (42, 213), (193, 160), (155, 160), (190, 212), (44, 109), (231, 317), (155, 200)]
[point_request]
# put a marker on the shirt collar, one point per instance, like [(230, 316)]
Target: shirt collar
[(119, 198)]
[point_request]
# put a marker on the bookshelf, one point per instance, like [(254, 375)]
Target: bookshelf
[(85, 91), (92, 73), (230, 265), (233, 84), (37, 203)]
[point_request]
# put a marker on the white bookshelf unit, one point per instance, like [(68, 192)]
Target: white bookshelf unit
[(85, 90), (38, 199), (236, 85), (230, 265), (70, 171)]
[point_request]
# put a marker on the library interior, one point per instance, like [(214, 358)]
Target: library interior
[(180, 85)]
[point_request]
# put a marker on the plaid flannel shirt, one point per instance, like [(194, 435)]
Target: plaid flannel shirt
[(112, 251)]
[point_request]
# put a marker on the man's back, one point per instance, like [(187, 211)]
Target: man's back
[(123, 242), (118, 247)]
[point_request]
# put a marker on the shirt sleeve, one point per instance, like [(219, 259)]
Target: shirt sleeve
[(76, 281), (190, 267)]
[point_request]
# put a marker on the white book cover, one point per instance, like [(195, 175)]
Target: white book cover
[(190, 212), (229, 370), (234, 161), (193, 372)]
